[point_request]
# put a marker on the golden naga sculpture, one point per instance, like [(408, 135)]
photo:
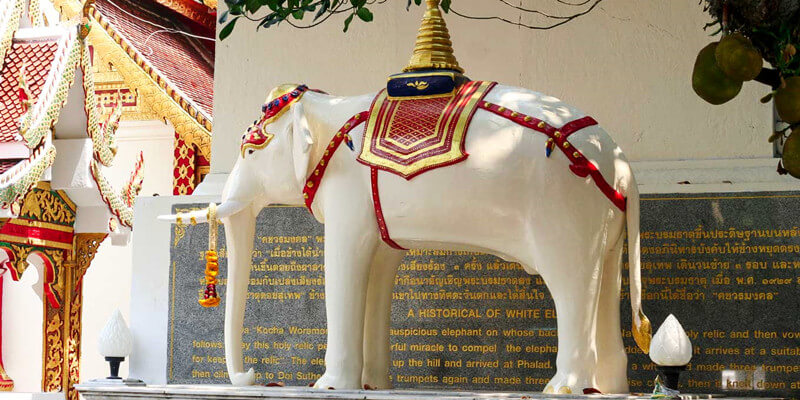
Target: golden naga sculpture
[(433, 49)]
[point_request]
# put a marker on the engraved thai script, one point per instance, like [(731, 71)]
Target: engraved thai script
[(450, 280), (292, 266), (745, 296), (302, 252), (730, 233), (285, 239)]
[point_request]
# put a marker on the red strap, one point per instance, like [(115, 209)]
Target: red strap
[(313, 181), (558, 136), (376, 200)]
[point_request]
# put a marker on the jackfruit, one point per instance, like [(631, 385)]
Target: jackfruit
[(738, 58), (708, 80), (787, 101), (791, 154)]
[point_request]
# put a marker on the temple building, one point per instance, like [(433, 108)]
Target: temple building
[(84, 86)]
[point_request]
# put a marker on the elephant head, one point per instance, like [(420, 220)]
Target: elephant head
[(271, 169)]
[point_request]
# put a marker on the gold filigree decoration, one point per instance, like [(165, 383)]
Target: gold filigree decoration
[(86, 246), (6, 384), (180, 228), (419, 85), (74, 343), (43, 204), (54, 354), (180, 233)]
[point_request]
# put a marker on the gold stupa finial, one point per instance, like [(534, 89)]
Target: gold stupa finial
[(433, 50)]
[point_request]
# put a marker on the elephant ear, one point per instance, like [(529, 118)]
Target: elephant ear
[(301, 142)]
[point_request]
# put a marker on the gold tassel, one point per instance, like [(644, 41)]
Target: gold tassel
[(210, 297)]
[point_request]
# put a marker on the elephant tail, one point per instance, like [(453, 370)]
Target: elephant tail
[(642, 331)]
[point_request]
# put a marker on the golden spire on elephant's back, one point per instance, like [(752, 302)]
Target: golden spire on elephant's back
[(433, 50)]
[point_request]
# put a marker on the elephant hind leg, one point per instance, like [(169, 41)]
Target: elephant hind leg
[(612, 377), (377, 318), (575, 291)]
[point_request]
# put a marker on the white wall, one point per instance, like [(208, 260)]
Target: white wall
[(22, 330), (106, 284), (628, 64)]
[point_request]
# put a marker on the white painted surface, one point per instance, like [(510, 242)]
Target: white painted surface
[(31, 396), (14, 150), (22, 330)]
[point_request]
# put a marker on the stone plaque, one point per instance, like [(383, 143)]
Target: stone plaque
[(725, 264)]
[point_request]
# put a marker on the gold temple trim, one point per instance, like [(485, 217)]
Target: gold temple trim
[(154, 90)]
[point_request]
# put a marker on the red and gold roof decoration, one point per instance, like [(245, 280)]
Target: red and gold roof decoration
[(49, 58), (36, 56), (172, 74), (194, 10), (36, 124), (186, 72)]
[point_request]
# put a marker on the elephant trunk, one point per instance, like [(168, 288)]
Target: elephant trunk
[(239, 233)]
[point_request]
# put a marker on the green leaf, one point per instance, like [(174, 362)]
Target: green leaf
[(446, 5), (365, 14), (226, 31), (252, 5), (298, 14), (348, 21), (224, 17), (322, 9)]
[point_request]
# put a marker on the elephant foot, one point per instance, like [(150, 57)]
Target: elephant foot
[(613, 376), (375, 381), (331, 381), (571, 383), (243, 378)]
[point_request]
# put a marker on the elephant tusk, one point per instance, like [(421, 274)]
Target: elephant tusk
[(224, 210)]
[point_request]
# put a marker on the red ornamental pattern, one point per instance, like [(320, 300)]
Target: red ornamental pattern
[(184, 168)]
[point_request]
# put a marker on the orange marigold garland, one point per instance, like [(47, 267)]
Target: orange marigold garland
[(210, 297)]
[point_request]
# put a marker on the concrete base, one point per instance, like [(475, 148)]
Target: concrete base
[(32, 396), (224, 392)]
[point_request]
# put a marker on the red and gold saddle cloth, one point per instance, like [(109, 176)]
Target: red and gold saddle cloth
[(408, 136)]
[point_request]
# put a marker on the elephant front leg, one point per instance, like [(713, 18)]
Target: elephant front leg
[(349, 248), (377, 320)]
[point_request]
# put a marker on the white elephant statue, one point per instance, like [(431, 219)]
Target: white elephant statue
[(508, 198)]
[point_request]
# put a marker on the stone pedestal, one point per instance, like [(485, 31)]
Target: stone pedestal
[(226, 392)]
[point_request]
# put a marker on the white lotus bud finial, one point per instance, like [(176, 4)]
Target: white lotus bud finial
[(115, 339), (671, 345)]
